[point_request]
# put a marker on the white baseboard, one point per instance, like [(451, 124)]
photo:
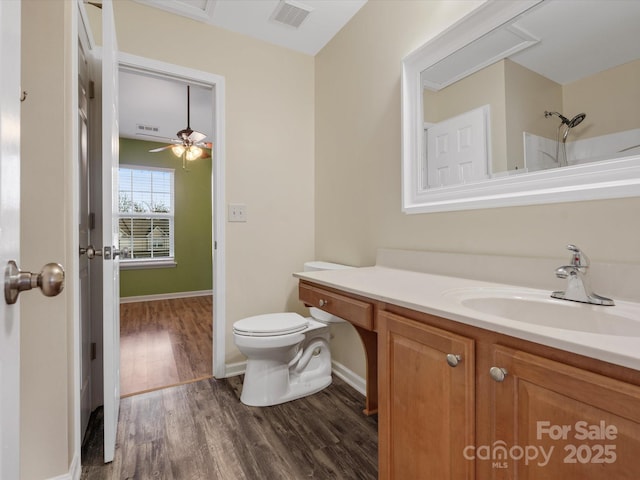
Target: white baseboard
[(166, 296), (234, 369), (349, 377), (337, 368), (74, 471)]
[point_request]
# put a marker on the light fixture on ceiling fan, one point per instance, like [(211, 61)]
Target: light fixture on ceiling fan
[(189, 145)]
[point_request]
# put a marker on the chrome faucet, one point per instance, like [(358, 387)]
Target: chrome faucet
[(578, 288)]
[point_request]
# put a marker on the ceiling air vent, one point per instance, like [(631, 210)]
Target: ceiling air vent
[(146, 128), (290, 13)]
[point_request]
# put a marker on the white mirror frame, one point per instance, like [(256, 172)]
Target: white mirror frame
[(614, 178)]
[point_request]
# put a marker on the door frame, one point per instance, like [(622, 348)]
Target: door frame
[(217, 83)]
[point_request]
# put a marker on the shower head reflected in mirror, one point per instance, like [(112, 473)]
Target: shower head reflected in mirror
[(574, 122), (577, 120), (564, 119)]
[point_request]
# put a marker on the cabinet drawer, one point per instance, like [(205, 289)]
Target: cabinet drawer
[(354, 311)]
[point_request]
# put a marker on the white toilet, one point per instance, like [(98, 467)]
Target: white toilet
[(288, 355)]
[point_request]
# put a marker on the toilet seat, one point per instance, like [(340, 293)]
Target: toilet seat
[(271, 324)]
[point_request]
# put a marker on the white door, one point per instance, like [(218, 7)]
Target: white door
[(111, 267), (457, 149), (9, 235)]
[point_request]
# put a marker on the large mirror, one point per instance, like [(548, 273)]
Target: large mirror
[(524, 102)]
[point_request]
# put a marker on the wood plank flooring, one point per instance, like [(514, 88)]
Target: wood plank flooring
[(164, 343), (202, 431)]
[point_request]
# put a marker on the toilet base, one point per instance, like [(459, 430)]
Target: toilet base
[(294, 392), (296, 374)]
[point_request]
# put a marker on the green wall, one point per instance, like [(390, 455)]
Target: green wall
[(192, 225)]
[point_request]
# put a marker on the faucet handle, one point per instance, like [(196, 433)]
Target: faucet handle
[(578, 257)]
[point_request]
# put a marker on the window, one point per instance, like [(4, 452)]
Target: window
[(146, 206)]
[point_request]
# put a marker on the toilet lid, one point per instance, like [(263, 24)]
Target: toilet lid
[(270, 324)]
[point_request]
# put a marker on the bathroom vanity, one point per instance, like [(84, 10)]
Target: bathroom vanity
[(467, 394)]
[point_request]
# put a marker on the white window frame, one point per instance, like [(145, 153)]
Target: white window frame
[(160, 262)]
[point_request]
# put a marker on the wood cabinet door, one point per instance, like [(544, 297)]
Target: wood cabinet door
[(553, 421), (426, 407)]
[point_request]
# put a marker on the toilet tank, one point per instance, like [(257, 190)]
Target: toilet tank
[(316, 313), (315, 266)]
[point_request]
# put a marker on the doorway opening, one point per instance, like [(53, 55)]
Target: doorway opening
[(172, 302), (102, 352)]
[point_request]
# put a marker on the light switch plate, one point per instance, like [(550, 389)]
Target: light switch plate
[(237, 212)]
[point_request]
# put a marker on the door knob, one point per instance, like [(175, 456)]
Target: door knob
[(122, 252), (90, 251), (50, 281)]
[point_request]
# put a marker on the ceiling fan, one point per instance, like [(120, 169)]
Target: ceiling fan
[(189, 145)]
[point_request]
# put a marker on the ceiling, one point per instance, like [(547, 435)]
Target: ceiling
[(154, 108), (580, 38), (562, 40), (255, 18), (159, 105)]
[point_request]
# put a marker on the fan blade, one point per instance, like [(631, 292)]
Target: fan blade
[(196, 137), (205, 155), (161, 148), (208, 145)]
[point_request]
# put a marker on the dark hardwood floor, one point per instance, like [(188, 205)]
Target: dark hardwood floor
[(164, 343), (202, 431)]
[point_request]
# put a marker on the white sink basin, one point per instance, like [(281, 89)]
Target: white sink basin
[(538, 308)]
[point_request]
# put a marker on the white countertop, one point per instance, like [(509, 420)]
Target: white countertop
[(424, 292)]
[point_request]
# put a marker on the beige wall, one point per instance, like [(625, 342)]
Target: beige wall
[(46, 422), (269, 148), (357, 154), (527, 96), (358, 166), (610, 99)]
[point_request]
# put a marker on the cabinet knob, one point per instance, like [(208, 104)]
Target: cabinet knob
[(453, 360), (323, 303), (498, 374)]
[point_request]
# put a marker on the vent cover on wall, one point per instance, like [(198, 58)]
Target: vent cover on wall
[(146, 128), (290, 13)]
